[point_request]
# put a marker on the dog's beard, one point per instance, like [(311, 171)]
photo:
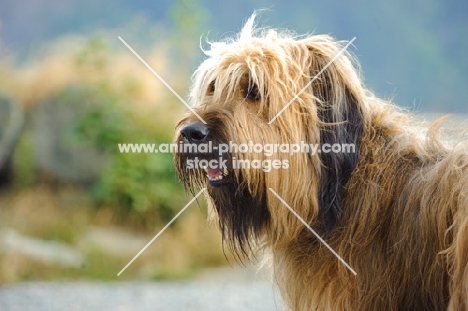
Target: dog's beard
[(242, 217)]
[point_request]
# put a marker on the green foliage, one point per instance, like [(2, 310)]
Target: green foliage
[(140, 182), (137, 182), (24, 162), (93, 56), (104, 122)]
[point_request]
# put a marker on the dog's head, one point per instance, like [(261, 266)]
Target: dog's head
[(255, 92)]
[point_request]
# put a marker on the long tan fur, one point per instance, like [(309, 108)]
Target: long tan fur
[(396, 211)]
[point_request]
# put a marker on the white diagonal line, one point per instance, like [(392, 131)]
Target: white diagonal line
[(312, 80), (162, 80), (315, 233), (160, 232)]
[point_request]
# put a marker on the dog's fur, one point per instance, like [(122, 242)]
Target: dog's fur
[(396, 210)]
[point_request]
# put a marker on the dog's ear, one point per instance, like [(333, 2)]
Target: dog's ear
[(337, 166), (338, 92)]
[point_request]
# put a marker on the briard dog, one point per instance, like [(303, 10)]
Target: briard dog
[(393, 208)]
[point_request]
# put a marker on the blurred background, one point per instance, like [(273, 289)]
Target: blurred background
[(72, 207)]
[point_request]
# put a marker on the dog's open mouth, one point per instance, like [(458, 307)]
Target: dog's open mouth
[(216, 176)]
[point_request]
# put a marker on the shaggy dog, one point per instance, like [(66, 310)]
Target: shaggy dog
[(395, 209)]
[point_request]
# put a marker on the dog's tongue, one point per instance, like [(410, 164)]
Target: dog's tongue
[(213, 172)]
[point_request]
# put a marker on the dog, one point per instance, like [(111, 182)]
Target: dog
[(394, 210)]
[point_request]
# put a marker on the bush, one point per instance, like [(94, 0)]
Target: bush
[(138, 184)]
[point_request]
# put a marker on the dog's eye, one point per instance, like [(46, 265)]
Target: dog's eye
[(211, 88), (252, 92)]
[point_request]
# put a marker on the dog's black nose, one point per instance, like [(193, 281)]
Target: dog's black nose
[(194, 132)]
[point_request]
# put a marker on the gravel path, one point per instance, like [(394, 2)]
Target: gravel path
[(135, 296)]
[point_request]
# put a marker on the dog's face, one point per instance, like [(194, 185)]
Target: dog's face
[(237, 91)]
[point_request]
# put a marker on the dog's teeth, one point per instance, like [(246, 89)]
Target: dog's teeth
[(225, 172), (214, 178)]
